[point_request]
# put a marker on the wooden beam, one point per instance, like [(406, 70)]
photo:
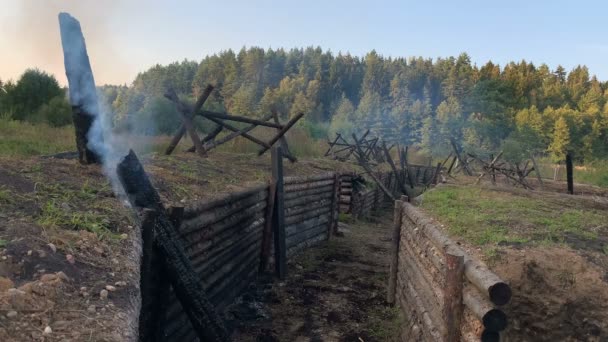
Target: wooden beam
[(234, 134), (280, 134), (83, 94), (394, 262), (278, 216), (214, 115), (452, 294), (569, 174), (366, 167), (182, 129), (394, 168), (283, 140)]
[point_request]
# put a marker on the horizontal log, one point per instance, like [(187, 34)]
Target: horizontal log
[(425, 246), (308, 185), (214, 115), (293, 229), (308, 233), (230, 293), (289, 220), (327, 190), (485, 280), (490, 336), (433, 329), (493, 319), (209, 217), (229, 248), (429, 290), (306, 244), (305, 208), (197, 234), (308, 179), (219, 200), (307, 200), (208, 249), (248, 260)]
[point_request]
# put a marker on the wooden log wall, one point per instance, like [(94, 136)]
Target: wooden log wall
[(364, 203), (311, 206), (223, 240), (446, 294)]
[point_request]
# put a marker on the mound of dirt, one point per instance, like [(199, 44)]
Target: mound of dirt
[(558, 295)]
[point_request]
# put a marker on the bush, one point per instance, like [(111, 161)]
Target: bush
[(56, 113)]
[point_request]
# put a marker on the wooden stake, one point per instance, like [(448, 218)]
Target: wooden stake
[(569, 172), (182, 130), (394, 262), (282, 132), (283, 141), (540, 180), (267, 234), (452, 295), (187, 121), (278, 215)]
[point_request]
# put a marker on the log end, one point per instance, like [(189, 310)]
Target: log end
[(490, 336), (495, 320), (500, 293)]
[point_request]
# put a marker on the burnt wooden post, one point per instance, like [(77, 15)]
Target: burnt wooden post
[(187, 114), (179, 271), (83, 94), (394, 262), (278, 215), (335, 207), (267, 234), (283, 140), (452, 294), (569, 175), (389, 159), (436, 175)]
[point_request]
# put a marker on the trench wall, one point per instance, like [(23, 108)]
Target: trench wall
[(224, 239)]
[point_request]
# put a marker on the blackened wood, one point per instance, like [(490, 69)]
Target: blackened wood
[(452, 295), (282, 132), (389, 159), (267, 234), (335, 207), (208, 138), (153, 285), (493, 319), (213, 115), (83, 94), (331, 145), (365, 166), (244, 135), (452, 165), (200, 207), (215, 143), (463, 162), (436, 174), (569, 172), (315, 178), (182, 130), (538, 176), (278, 215), (205, 320), (187, 121), (283, 140), (489, 336), (394, 262)]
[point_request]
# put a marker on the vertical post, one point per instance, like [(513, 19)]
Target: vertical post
[(278, 215), (394, 262), (335, 207), (569, 174), (436, 175), (267, 234), (83, 94), (537, 169), (452, 294)]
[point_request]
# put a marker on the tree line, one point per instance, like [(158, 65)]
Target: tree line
[(519, 107)]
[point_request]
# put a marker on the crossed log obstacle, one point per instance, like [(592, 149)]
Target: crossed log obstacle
[(209, 142)]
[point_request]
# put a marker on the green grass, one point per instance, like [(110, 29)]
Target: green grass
[(487, 217), (593, 173), (19, 138)]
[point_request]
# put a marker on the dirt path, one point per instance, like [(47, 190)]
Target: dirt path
[(334, 292)]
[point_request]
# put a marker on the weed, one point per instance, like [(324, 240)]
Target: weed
[(3, 243), (5, 195)]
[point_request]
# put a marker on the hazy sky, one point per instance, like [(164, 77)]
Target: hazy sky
[(126, 37)]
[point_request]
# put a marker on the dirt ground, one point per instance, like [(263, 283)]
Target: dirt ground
[(333, 292), (68, 255)]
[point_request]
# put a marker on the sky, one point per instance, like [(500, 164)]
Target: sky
[(125, 37)]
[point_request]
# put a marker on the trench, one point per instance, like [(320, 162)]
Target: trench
[(335, 291)]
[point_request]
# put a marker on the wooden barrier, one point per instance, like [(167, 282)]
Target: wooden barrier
[(434, 282)]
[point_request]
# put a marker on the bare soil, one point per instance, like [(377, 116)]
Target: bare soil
[(333, 292)]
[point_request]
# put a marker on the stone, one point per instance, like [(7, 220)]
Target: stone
[(110, 288), (11, 314), (103, 294), (62, 276), (29, 253), (92, 308), (47, 331), (121, 283), (46, 278), (124, 236), (41, 253), (70, 259), (52, 247)]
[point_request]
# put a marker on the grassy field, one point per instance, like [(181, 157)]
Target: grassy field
[(493, 216)]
